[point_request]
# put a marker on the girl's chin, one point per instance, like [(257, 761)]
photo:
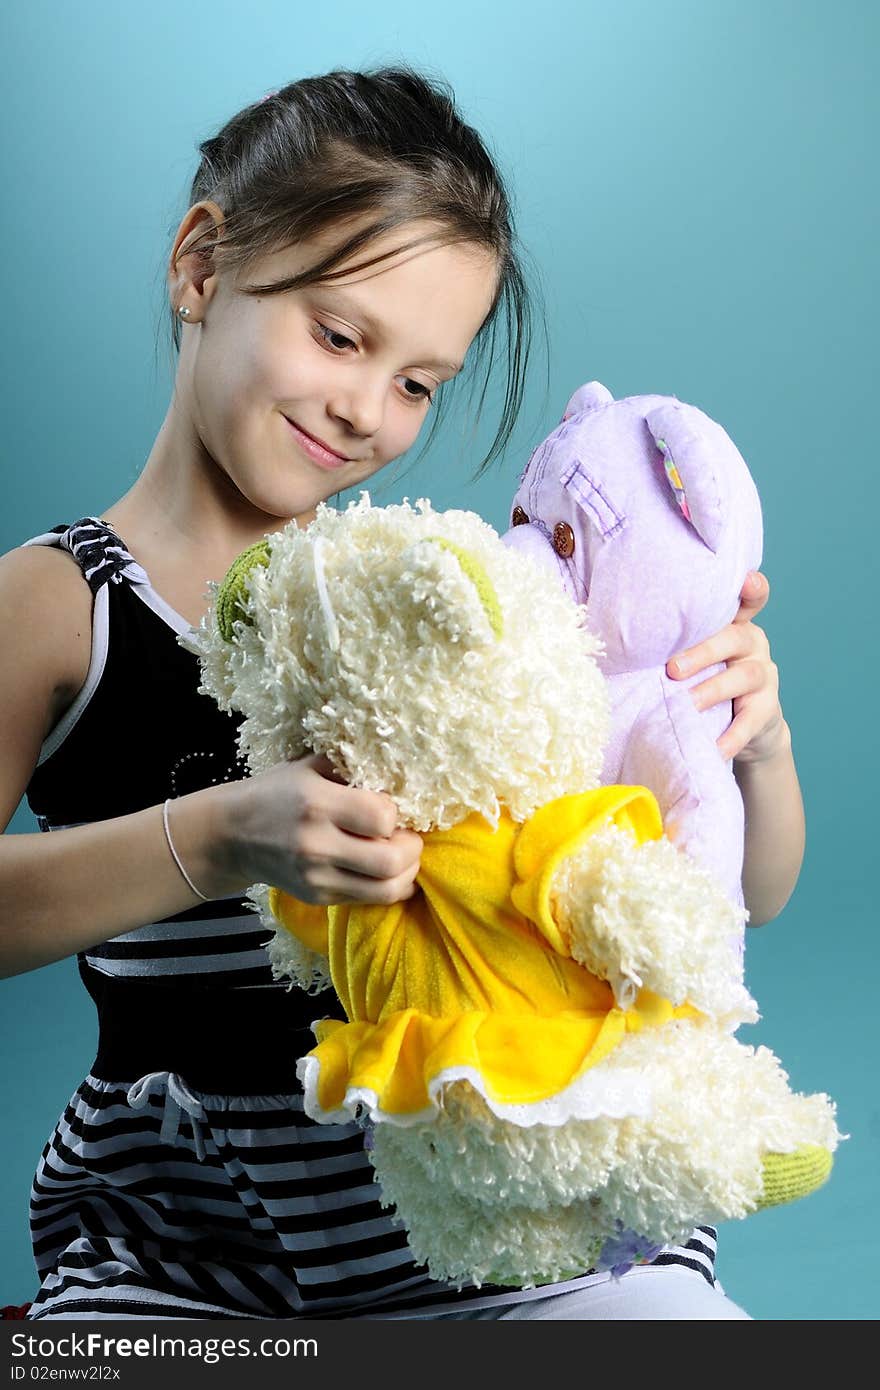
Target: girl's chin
[(286, 500), (288, 494)]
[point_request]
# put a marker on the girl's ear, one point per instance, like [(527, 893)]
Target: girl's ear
[(191, 267), (688, 450), (588, 397)]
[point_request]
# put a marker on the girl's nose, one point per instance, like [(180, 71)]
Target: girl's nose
[(360, 406)]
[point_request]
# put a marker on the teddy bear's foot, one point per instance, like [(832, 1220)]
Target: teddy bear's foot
[(789, 1176)]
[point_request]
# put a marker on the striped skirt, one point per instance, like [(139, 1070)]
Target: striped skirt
[(169, 1190), (153, 1201)]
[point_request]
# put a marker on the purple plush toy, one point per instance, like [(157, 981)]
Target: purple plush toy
[(648, 513)]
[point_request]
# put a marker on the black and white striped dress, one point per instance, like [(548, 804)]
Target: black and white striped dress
[(183, 1179)]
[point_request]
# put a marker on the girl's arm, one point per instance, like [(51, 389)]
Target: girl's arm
[(759, 742), (775, 830), (67, 891)]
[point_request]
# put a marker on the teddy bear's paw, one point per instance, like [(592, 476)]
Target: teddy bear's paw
[(297, 947), (290, 960), (647, 915), (790, 1176), (231, 601)]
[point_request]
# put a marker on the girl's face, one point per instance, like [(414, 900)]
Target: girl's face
[(295, 396)]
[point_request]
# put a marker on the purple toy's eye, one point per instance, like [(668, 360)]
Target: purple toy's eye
[(519, 517), (563, 539)]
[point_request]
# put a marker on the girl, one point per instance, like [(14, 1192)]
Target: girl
[(348, 240)]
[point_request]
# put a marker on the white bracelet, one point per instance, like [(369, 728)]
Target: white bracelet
[(176, 856)]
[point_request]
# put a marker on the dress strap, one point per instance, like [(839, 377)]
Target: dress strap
[(98, 551), (103, 559)]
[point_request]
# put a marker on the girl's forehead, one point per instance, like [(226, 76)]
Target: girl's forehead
[(381, 252), (412, 270)]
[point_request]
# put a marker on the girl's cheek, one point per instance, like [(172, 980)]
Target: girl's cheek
[(409, 424)]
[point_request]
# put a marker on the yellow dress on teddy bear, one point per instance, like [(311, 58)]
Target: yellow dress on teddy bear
[(472, 978)]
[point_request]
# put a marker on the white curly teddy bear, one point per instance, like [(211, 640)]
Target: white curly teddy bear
[(541, 1041)]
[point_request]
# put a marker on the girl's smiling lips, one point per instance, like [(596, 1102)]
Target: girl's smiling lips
[(317, 449)]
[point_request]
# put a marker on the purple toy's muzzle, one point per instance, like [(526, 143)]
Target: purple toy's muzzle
[(528, 539)]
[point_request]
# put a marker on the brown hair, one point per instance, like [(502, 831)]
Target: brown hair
[(389, 144)]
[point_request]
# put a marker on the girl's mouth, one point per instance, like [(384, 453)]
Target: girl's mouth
[(317, 451)]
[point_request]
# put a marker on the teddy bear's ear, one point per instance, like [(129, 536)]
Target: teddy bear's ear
[(476, 573), (232, 595), (588, 397), (470, 608), (688, 445)]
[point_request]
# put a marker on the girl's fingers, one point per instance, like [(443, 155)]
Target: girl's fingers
[(740, 732), (750, 680), (755, 706), (377, 859), (357, 811), (750, 729), (730, 644), (333, 883), (736, 641), (360, 812), (742, 678), (320, 763), (307, 831), (753, 596)]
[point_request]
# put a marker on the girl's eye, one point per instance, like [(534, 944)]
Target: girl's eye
[(421, 393), (327, 336), (337, 342)]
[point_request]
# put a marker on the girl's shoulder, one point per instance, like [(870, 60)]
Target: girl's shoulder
[(46, 644), (47, 605), (45, 576)]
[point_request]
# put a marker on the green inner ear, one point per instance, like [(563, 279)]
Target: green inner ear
[(480, 580), (231, 596)]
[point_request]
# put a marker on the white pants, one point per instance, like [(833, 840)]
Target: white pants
[(651, 1293)]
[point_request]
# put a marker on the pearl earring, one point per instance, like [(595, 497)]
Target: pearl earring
[(184, 312)]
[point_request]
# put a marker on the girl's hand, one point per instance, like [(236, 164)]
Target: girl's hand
[(298, 827), (751, 680)]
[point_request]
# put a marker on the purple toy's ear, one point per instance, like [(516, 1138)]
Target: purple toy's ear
[(588, 397), (687, 449)]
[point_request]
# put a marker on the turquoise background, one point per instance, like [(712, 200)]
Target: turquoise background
[(696, 187)]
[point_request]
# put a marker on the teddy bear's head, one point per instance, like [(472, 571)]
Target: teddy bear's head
[(419, 653), (645, 509)]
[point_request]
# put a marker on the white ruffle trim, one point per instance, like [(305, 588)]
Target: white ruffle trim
[(615, 1093)]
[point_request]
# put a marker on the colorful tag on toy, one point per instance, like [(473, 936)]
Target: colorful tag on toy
[(674, 479)]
